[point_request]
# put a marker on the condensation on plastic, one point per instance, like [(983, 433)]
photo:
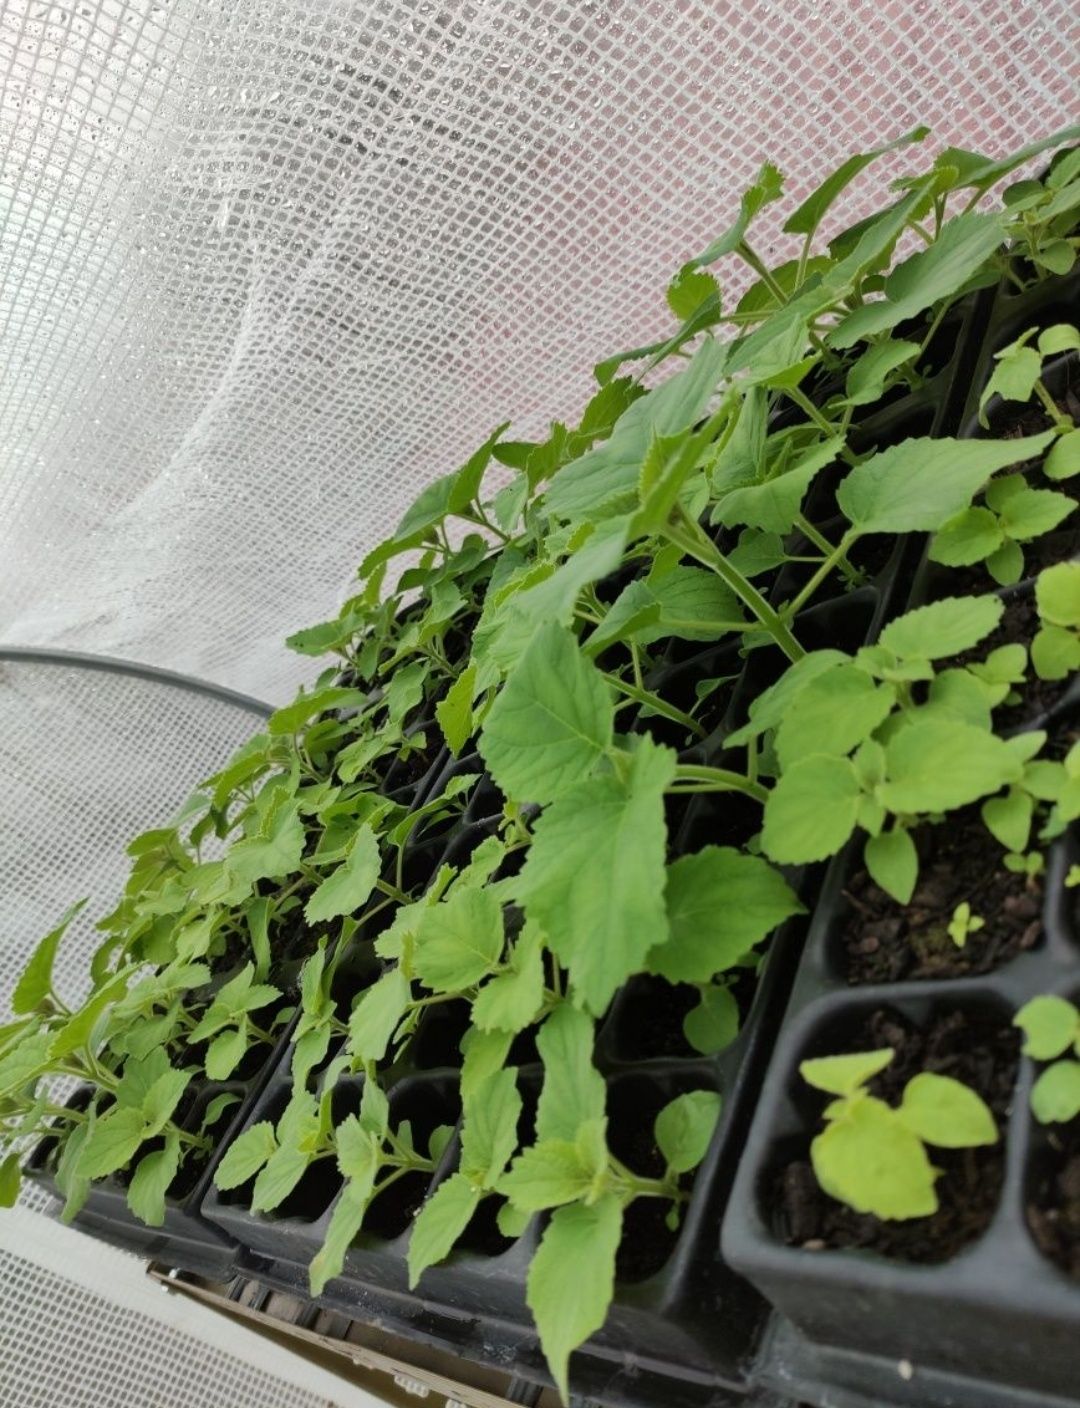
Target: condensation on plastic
[(267, 266)]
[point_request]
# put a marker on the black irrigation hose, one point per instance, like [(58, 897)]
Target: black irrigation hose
[(110, 664)]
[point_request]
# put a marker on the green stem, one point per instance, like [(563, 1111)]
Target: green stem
[(720, 780), (1050, 407), (748, 256), (823, 545), (658, 705), (813, 414), (819, 576), (689, 536)]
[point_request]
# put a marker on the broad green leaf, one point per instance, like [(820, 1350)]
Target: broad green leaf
[(112, 1143), (866, 380), (358, 1148), (1057, 593), (10, 1180), (774, 504), (1055, 1096), (689, 289), (1032, 512), (279, 1176), (713, 1024), (918, 485), (944, 1112), (767, 187), (483, 1053), (694, 605), (964, 245), (454, 711), (983, 172), (71, 1182), (489, 1131), (551, 722), (684, 1128), (510, 1000), (811, 811), (273, 854), (937, 764), (970, 536), (870, 1160), (152, 1179), (943, 628), (806, 219), (1050, 1025), (835, 712), (35, 981), (594, 877), (459, 941), (375, 1017), (843, 1075), (351, 884), (720, 903), (772, 705), (160, 1101), (225, 1053), (544, 595), (605, 479), (246, 1155), (891, 859), (1055, 653), (1063, 461), (547, 1175), (440, 1222), (572, 1279), (511, 1221), (345, 1222), (573, 1092), (1007, 564), (1008, 818), (292, 718)]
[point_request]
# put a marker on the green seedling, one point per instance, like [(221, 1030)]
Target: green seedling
[(1051, 1027), (963, 923), (871, 1155)]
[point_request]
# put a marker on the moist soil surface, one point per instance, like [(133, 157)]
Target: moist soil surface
[(979, 1051), (1054, 1210), (886, 942)]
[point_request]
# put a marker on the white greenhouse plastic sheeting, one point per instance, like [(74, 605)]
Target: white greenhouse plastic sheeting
[(267, 267)]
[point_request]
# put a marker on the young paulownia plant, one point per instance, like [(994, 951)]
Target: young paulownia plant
[(872, 1155), (1051, 1027), (529, 637)]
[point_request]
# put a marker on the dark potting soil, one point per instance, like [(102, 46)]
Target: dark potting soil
[(1054, 1210), (884, 942), (981, 1052)]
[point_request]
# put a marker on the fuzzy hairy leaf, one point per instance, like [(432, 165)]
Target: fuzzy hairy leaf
[(551, 722), (1050, 1025), (510, 1000), (811, 811), (345, 1222), (1055, 1096), (350, 885), (458, 941), (685, 1126), (944, 1112), (937, 764), (151, 1180), (572, 1278), (246, 1155), (720, 903), (440, 1222), (944, 628), (594, 877), (918, 485), (871, 1161), (36, 978), (374, 1019), (835, 712), (573, 1092)]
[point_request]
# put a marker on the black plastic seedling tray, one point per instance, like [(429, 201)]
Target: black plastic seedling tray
[(186, 1239), (997, 1324)]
